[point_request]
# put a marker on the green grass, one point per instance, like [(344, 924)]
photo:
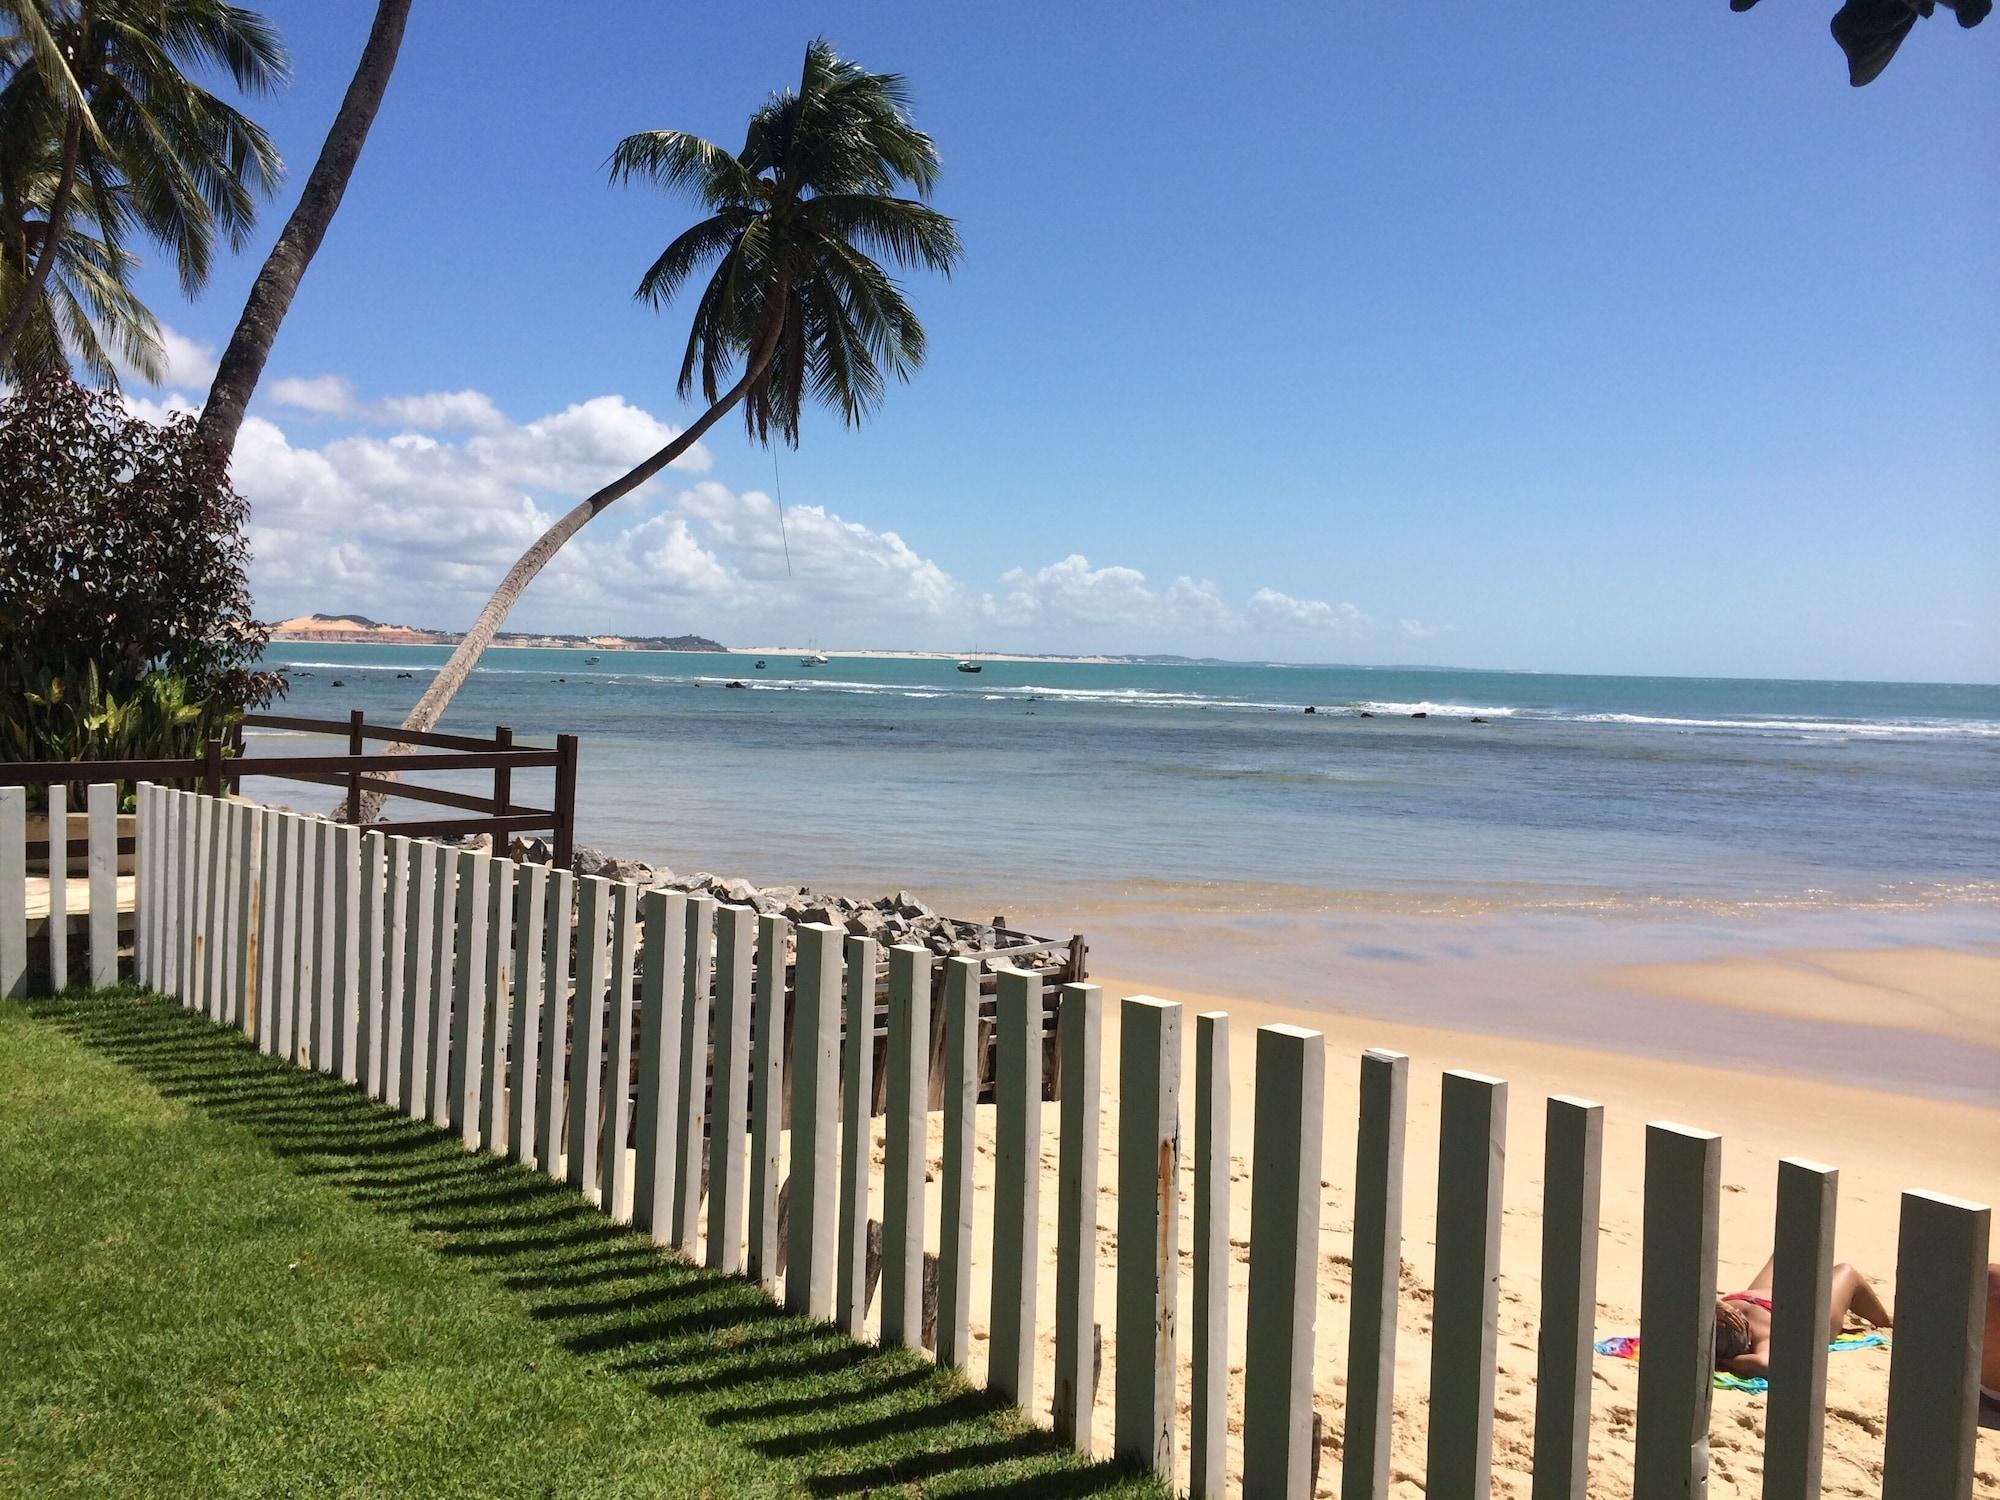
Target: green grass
[(221, 1275)]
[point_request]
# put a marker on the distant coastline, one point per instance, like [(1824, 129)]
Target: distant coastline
[(359, 630)]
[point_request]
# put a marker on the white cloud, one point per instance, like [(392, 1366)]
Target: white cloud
[(189, 363), (1072, 592), (430, 411), (323, 395), (1269, 606), (1417, 630)]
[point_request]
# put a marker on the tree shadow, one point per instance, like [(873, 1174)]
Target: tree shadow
[(841, 1418)]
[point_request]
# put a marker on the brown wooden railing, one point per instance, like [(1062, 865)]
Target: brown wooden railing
[(224, 767)]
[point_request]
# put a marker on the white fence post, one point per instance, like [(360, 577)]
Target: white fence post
[(305, 1015), (1210, 1394), (291, 841), (1149, 1217), (857, 1074), (531, 894), (558, 923), (618, 1056), (693, 1055), (468, 997), (13, 891), (1376, 1274), (1079, 1028), (1472, 1161), (903, 1153), (418, 955), (221, 873), (728, 1124), (56, 929), (1572, 1176), (326, 1029), (494, 1100), (249, 915), (657, 1133), (142, 793), (961, 1095), (200, 809), (1017, 1184), (372, 942), (396, 915), (767, 1100), (1801, 1291), (815, 1078), (272, 926), (346, 952), (1284, 1262), (586, 1042), (1677, 1312), (444, 953), (1941, 1256)]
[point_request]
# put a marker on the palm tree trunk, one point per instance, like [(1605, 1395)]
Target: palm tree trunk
[(31, 294), (278, 282), (458, 667)]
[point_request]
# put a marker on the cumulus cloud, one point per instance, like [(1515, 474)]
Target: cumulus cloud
[(1072, 592), (1269, 606), (430, 411), (1417, 630)]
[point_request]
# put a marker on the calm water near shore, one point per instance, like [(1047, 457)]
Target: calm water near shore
[(1204, 831), (1209, 784)]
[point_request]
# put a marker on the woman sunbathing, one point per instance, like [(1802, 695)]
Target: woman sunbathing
[(1743, 1319)]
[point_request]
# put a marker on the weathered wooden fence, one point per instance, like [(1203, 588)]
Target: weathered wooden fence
[(518, 1006)]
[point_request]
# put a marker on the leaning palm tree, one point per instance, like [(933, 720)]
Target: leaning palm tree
[(138, 144), (798, 306), (277, 283)]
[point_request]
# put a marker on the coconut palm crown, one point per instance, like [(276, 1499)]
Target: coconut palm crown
[(831, 180)]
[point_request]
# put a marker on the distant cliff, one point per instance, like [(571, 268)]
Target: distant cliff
[(356, 629)]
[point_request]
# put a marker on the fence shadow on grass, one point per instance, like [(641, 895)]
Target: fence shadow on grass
[(845, 1418)]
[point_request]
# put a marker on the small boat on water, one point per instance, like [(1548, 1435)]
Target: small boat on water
[(592, 661), (760, 663), (970, 666), (816, 659)]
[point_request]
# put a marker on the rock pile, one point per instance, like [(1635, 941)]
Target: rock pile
[(891, 920)]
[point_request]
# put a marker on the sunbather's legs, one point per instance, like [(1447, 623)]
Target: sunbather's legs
[(1852, 1293)]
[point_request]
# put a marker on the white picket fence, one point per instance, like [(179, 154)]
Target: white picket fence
[(506, 1003)]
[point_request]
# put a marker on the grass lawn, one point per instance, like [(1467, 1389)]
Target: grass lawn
[(220, 1275)]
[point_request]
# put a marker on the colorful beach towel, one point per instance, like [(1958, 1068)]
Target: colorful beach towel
[(1626, 1346)]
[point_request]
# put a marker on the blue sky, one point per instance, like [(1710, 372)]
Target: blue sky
[(1619, 339)]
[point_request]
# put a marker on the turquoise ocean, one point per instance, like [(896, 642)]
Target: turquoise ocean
[(1065, 781)]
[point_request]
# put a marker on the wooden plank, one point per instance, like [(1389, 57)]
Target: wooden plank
[(767, 1100), (229, 878), (468, 997), (1149, 1156), (618, 1066), (1284, 1262), (306, 958), (373, 942), (1472, 1160), (1376, 1269), (857, 1086), (325, 1022), (497, 993), (815, 1075), (347, 953), (142, 870), (396, 917), (249, 916), (1942, 1246), (1801, 1292), (1210, 1355), (693, 1068), (271, 968), (216, 900), (168, 982), (735, 939), (1677, 1312), (444, 952), (291, 836), (200, 874), (1079, 1035), (558, 924), (1017, 1184), (531, 894), (961, 1097), (656, 1132), (188, 965), (586, 1049), (1572, 1179), (903, 1155), (13, 892), (55, 931), (419, 954)]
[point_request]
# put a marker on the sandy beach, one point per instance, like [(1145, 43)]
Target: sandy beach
[(1882, 1142)]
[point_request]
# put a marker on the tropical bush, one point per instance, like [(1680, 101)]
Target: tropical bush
[(125, 617)]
